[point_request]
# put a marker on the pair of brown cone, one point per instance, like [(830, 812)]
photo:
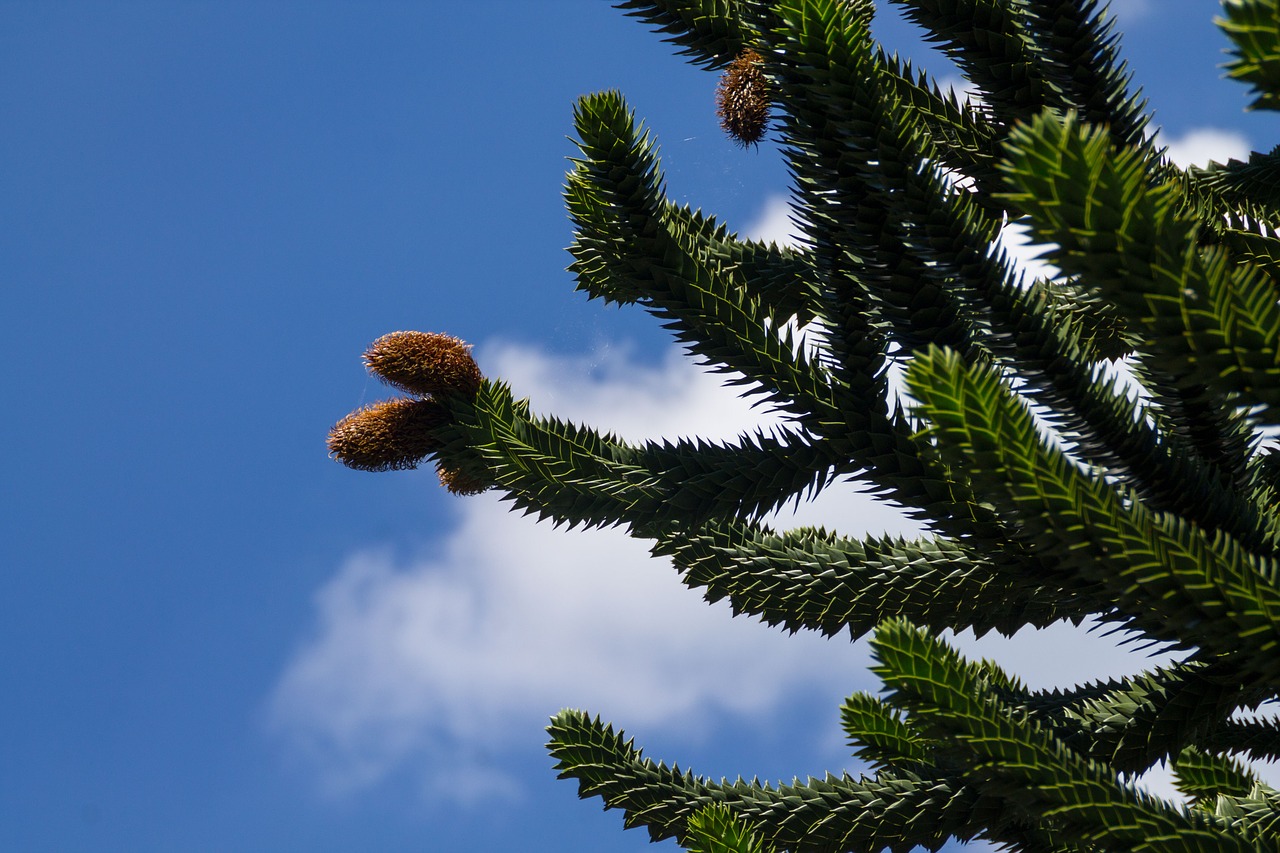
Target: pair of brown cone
[(397, 434)]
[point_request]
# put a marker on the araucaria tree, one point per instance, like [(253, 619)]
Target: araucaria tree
[(1089, 445)]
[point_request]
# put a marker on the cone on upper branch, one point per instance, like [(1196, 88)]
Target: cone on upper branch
[(388, 436), (742, 99), (425, 363)]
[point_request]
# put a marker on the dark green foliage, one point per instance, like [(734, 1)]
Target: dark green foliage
[(1254, 27), (1206, 777), (1050, 489), (893, 811), (715, 829)]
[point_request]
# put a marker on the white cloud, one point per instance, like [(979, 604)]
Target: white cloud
[(1200, 145), (472, 646), (610, 390), (1016, 241), (774, 224), (1061, 655), (959, 88)]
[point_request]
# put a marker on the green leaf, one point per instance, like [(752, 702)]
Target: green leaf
[(1082, 60), (881, 735), (1134, 722), (715, 829), (1254, 28), (1203, 777), (576, 475), (1213, 594), (894, 812), (812, 579), (991, 42), (632, 246), (709, 32), (1207, 322), (1006, 752)]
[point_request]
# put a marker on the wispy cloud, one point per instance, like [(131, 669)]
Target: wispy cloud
[(959, 88), (773, 224), (1199, 146)]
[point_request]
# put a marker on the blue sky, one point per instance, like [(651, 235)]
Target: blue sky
[(212, 637)]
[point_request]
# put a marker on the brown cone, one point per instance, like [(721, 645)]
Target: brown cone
[(388, 436), (742, 99), (458, 482), (425, 363)]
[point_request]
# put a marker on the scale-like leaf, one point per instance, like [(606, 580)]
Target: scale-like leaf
[(1207, 322), (576, 475), (715, 829), (1254, 28), (881, 735), (1204, 777), (1213, 594), (887, 812), (1010, 754), (630, 249), (811, 579)]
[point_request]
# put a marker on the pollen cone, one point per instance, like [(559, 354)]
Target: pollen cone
[(424, 363), (742, 99), (459, 482), (388, 436)]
